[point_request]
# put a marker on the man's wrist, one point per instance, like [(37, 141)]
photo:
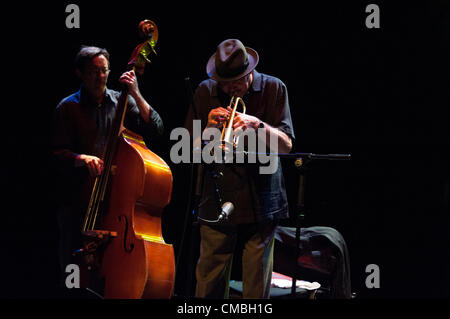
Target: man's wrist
[(78, 160)]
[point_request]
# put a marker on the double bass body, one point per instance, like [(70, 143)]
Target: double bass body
[(137, 263)]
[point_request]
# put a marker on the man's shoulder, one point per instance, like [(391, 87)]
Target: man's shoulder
[(207, 84), (112, 93), (206, 89), (73, 99), (271, 79), (266, 82)]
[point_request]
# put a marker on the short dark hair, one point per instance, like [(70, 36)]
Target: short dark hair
[(86, 54)]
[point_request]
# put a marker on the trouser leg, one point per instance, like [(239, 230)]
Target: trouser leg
[(257, 260), (213, 269)]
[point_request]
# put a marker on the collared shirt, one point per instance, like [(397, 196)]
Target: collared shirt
[(81, 126), (256, 197)]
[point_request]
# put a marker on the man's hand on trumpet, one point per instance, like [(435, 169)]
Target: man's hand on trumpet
[(218, 116), (244, 121)]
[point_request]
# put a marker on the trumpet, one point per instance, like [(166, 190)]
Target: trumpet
[(228, 140)]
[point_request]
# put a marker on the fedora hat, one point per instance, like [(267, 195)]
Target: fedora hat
[(231, 61)]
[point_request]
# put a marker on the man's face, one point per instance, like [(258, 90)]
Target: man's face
[(95, 75), (237, 87)]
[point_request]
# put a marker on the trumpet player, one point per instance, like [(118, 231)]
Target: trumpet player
[(259, 200)]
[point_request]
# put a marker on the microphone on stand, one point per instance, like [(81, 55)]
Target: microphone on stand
[(227, 209)]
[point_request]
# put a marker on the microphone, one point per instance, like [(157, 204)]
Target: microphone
[(227, 209)]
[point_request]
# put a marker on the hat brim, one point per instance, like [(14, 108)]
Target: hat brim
[(253, 59)]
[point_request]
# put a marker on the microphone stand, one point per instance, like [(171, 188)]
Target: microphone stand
[(195, 205), (299, 216)]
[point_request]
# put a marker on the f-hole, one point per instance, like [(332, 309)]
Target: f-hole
[(128, 248)]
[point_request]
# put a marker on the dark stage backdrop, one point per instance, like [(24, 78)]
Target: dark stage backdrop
[(378, 94)]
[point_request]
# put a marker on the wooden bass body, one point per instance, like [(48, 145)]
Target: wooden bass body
[(137, 263)]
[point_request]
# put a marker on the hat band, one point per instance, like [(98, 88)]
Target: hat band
[(229, 73)]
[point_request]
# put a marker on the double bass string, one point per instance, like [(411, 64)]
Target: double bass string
[(92, 200), (101, 182)]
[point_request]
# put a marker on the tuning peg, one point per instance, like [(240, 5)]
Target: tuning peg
[(145, 57)]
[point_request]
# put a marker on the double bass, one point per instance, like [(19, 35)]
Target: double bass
[(125, 255)]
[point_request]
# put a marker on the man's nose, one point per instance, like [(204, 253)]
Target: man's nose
[(234, 88), (101, 75)]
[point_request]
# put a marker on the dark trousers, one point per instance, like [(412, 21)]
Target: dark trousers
[(217, 247)]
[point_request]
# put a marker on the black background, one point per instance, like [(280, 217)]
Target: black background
[(378, 94)]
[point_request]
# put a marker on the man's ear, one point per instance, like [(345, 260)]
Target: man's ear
[(78, 73)]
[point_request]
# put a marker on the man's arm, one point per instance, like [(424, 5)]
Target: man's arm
[(244, 121), (129, 78), (284, 141), (143, 119)]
